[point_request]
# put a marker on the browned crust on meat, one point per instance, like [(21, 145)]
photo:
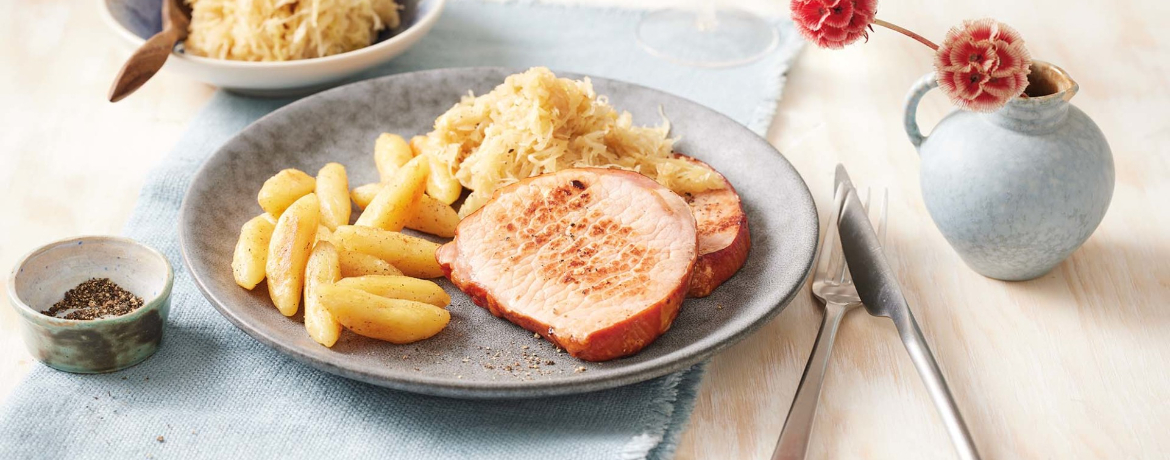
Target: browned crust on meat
[(623, 338), (715, 267)]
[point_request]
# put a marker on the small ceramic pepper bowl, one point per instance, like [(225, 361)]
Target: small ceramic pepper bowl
[(42, 277)]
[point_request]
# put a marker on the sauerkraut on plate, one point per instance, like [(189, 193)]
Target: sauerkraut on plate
[(284, 30), (536, 123)]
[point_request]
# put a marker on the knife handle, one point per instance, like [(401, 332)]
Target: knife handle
[(793, 442), (936, 386)]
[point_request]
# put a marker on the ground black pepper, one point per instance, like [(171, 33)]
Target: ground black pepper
[(94, 299)]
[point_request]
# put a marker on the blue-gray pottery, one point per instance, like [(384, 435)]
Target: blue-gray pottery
[(135, 21), (102, 345), (1016, 191), (476, 355)]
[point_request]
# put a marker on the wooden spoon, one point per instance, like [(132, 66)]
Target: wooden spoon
[(151, 56)]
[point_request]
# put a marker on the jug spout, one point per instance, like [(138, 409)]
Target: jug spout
[(1044, 104)]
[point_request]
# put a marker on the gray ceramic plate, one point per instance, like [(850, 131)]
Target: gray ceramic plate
[(478, 355)]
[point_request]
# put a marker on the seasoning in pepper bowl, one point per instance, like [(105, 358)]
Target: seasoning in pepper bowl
[(92, 304)]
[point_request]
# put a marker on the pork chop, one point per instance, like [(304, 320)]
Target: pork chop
[(595, 260), (724, 240)]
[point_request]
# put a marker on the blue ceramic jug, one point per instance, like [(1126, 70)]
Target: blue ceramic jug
[(1016, 191)]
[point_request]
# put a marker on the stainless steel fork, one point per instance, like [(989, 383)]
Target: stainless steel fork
[(832, 285)]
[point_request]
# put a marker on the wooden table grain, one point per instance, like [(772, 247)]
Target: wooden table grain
[(1071, 365)]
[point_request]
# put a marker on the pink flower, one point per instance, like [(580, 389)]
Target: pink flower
[(833, 23), (982, 65)]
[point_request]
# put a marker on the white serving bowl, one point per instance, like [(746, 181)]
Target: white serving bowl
[(136, 20)]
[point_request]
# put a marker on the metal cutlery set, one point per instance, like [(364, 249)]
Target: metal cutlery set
[(863, 278)]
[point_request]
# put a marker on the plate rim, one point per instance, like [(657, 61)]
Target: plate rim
[(447, 387)]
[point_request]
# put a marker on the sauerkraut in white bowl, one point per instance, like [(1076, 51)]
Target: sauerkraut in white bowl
[(137, 20)]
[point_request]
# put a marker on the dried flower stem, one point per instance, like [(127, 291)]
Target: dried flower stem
[(904, 31)]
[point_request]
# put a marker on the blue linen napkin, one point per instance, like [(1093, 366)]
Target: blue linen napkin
[(213, 392)]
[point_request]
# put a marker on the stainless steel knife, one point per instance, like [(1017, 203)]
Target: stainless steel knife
[(881, 295)]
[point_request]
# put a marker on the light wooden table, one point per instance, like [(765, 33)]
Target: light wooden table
[(1071, 365)]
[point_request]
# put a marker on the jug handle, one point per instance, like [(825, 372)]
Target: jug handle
[(910, 120)]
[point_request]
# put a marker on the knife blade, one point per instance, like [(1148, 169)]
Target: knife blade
[(882, 296), (875, 281)]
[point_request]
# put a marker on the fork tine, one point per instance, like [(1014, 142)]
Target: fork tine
[(868, 195), (829, 248), (883, 217)]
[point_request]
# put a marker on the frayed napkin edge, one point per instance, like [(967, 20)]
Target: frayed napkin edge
[(672, 412), (787, 54)]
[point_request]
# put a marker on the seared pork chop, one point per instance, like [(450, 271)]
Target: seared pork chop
[(595, 260), (723, 235)]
